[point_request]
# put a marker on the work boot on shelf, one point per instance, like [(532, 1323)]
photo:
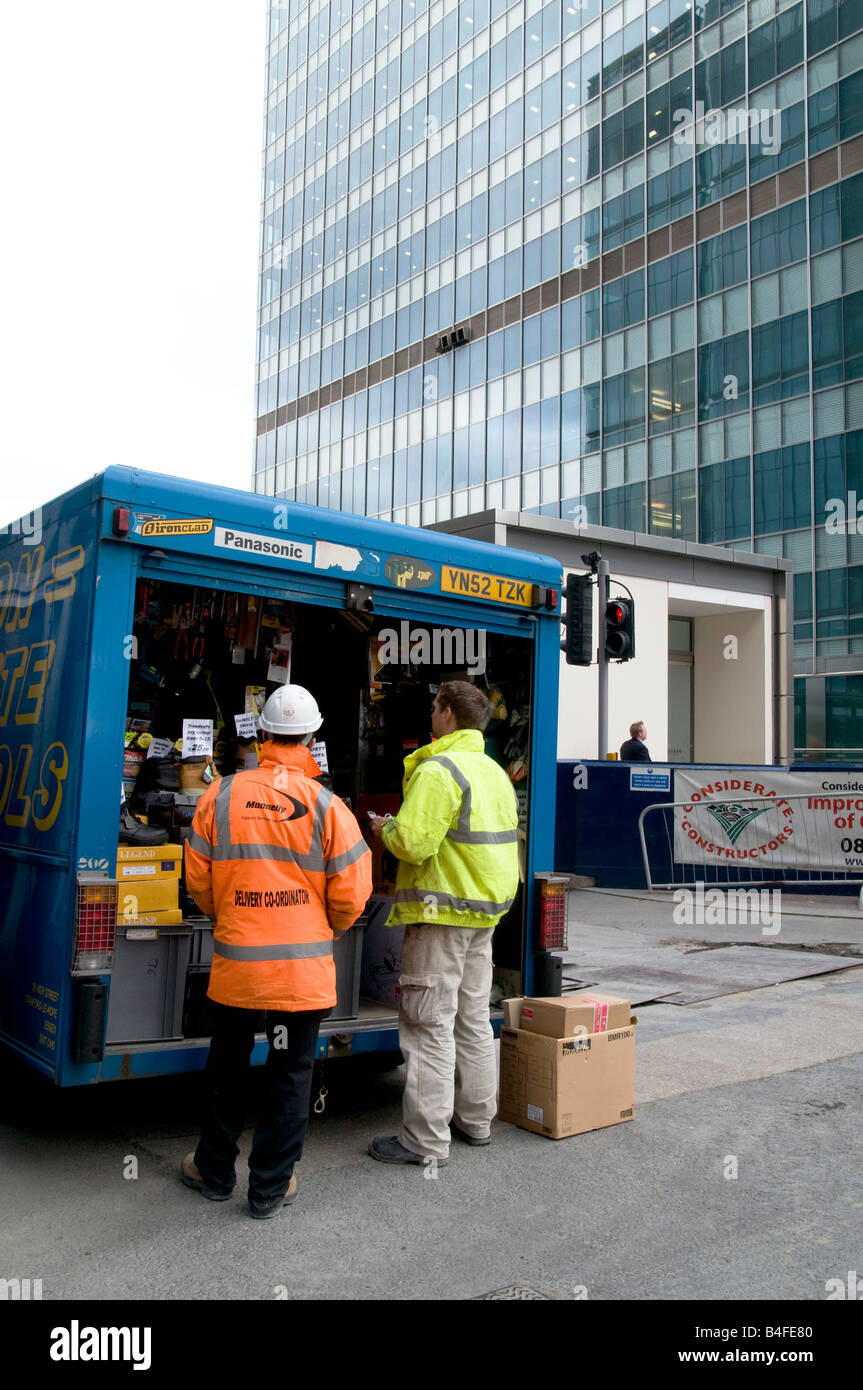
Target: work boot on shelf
[(168, 775), (134, 832)]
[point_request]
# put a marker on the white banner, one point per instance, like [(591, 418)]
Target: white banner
[(720, 824)]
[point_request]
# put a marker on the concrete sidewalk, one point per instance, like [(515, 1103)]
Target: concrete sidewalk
[(736, 1179)]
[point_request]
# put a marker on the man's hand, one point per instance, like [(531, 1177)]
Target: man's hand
[(377, 823)]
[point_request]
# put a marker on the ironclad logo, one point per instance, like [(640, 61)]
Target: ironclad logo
[(178, 526), (734, 818)]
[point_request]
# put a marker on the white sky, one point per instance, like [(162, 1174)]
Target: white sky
[(130, 179)]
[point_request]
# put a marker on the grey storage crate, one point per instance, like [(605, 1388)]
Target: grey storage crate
[(147, 985), (347, 953)]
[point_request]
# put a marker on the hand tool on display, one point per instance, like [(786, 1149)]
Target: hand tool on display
[(197, 653)]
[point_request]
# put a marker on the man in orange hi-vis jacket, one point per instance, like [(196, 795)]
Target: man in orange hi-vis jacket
[(279, 864)]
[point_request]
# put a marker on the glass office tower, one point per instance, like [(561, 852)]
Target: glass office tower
[(644, 223)]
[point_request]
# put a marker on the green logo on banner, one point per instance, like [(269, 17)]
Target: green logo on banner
[(734, 819)]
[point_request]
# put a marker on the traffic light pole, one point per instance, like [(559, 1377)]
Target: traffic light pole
[(602, 659)]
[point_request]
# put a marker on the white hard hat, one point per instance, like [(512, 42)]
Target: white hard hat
[(291, 710)]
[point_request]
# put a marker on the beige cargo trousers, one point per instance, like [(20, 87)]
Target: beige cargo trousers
[(445, 1035)]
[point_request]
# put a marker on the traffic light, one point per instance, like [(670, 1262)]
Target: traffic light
[(619, 629), (578, 620)]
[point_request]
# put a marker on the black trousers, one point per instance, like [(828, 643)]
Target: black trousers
[(284, 1115)]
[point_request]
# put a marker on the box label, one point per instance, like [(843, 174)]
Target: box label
[(141, 934), (137, 870), (534, 1112)]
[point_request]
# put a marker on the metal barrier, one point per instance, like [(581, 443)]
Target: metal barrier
[(797, 841)]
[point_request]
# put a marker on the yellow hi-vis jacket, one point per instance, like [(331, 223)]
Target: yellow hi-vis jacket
[(455, 836)]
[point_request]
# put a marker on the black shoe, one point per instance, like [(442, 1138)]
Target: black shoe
[(391, 1150), (262, 1211), (134, 832), (466, 1138), (168, 775)]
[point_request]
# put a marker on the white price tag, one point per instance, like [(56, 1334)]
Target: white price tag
[(238, 656), (159, 748), (279, 669), (245, 725), (197, 738), (319, 753)]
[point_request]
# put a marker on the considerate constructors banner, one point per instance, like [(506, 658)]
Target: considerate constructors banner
[(811, 820)]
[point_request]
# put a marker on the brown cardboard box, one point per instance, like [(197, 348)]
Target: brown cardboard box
[(574, 1014), (169, 917), (150, 861), (139, 895), (563, 1086), (147, 854)]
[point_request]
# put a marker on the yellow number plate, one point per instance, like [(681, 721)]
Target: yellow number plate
[(494, 587)]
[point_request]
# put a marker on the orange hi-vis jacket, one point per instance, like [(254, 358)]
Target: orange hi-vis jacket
[(280, 865)]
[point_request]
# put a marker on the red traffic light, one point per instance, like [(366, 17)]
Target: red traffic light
[(619, 630)]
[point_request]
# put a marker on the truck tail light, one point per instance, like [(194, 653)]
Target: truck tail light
[(95, 924), (552, 912), (121, 521)]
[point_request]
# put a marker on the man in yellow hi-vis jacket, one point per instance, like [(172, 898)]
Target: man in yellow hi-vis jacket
[(456, 841)]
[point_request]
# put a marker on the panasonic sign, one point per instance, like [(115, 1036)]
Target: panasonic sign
[(252, 543)]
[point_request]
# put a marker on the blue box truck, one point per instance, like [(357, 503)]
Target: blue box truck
[(139, 608)]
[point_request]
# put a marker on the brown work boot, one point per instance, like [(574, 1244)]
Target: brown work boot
[(190, 1176), (263, 1210)]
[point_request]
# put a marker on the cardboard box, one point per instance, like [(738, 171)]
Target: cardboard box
[(574, 1014), (512, 1011), (147, 854), (151, 862), (169, 917), (147, 895), (564, 1086), (381, 963)]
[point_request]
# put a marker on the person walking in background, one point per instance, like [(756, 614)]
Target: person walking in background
[(634, 750), (278, 862), (455, 838)]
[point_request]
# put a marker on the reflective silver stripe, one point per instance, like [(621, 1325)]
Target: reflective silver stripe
[(348, 856), (296, 950), (222, 811), (325, 796), (422, 895), (462, 834), (463, 822), (197, 842), (225, 849), (283, 853), (483, 837)]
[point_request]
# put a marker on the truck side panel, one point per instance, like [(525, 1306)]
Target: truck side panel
[(46, 594)]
